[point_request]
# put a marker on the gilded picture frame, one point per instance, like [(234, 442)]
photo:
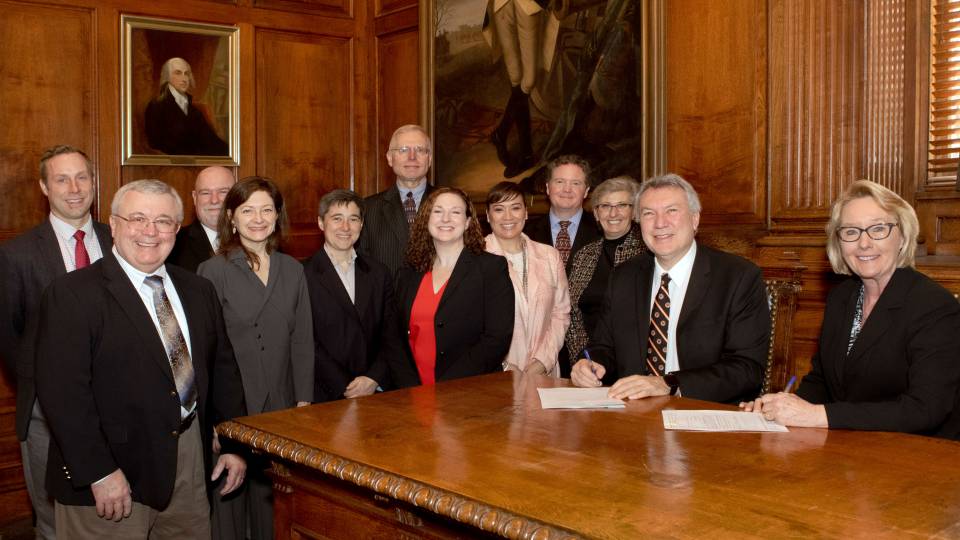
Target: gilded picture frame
[(180, 92)]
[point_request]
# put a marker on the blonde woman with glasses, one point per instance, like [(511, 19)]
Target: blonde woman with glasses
[(890, 340)]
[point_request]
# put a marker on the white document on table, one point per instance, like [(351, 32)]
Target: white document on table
[(719, 421), (578, 398)]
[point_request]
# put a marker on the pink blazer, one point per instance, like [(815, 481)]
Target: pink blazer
[(542, 317)]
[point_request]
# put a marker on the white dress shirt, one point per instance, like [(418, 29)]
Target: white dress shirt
[(68, 244), (679, 280)]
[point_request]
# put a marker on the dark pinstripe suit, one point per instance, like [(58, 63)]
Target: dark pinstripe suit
[(385, 229)]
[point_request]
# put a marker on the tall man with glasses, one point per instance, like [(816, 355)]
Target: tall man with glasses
[(690, 320), (67, 240), (390, 213), (566, 227), (130, 348)]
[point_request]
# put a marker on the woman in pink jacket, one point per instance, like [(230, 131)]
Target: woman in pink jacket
[(542, 301)]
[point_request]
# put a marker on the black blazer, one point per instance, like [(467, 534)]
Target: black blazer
[(474, 321), (385, 230), (903, 372), (589, 230), (106, 386), (350, 339), (722, 335), (192, 247), (28, 263), (172, 132)]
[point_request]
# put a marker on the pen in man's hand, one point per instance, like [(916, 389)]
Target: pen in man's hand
[(790, 384)]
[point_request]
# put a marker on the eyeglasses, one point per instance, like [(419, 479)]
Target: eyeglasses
[(877, 232), (605, 208), (418, 150), (139, 223)]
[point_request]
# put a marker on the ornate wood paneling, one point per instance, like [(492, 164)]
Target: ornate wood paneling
[(386, 7), (883, 141), (327, 7), (304, 123), (715, 111), (42, 102), (397, 60), (816, 71)]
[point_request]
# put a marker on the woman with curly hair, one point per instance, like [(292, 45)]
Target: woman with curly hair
[(456, 301)]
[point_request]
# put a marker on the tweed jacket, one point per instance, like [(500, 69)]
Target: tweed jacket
[(581, 272)]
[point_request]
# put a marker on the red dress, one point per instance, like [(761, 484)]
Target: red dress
[(423, 336)]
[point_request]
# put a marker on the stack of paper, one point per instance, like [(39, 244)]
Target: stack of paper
[(577, 398), (719, 421)]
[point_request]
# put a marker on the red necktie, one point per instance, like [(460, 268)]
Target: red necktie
[(80, 256)]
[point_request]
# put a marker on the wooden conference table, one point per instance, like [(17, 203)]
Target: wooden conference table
[(479, 454)]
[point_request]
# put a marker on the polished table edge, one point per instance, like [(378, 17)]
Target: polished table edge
[(439, 501)]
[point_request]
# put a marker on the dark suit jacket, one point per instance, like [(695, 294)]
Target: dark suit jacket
[(589, 230), (385, 230), (350, 339), (192, 247), (106, 386), (28, 263), (474, 321), (722, 335), (903, 372), (175, 133)]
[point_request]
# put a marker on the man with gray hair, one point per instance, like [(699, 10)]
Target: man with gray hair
[(355, 328), (390, 213), (130, 348), (173, 123), (691, 320), (69, 239)]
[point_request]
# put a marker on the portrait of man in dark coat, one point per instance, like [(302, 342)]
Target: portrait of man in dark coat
[(174, 124)]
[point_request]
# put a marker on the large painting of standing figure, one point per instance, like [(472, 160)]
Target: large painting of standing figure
[(180, 92), (516, 83)]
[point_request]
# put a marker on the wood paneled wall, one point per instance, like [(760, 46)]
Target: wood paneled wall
[(323, 85)]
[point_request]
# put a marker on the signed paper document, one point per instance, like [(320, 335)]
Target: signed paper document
[(578, 398), (718, 421)]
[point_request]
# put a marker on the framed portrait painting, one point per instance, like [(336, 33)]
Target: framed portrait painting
[(180, 92), (512, 84)]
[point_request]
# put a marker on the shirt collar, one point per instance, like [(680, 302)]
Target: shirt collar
[(680, 273), (417, 191), (66, 230), (334, 258), (574, 219), (136, 276)]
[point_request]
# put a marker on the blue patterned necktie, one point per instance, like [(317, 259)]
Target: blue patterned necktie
[(173, 342)]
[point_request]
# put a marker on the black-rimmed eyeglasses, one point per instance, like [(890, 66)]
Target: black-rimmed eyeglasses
[(879, 231)]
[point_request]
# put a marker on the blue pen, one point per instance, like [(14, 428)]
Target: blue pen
[(593, 369), (790, 384)]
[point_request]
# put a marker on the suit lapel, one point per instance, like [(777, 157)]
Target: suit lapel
[(644, 284), (104, 236), (697, 287), (49, 250), (330, 280), (363, 287), (460, 272), (881, 318), (200, 237), (129, 300), (192, 308), (842, 334), (395, 215)]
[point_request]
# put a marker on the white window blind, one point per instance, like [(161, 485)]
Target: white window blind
[(944, 138)]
